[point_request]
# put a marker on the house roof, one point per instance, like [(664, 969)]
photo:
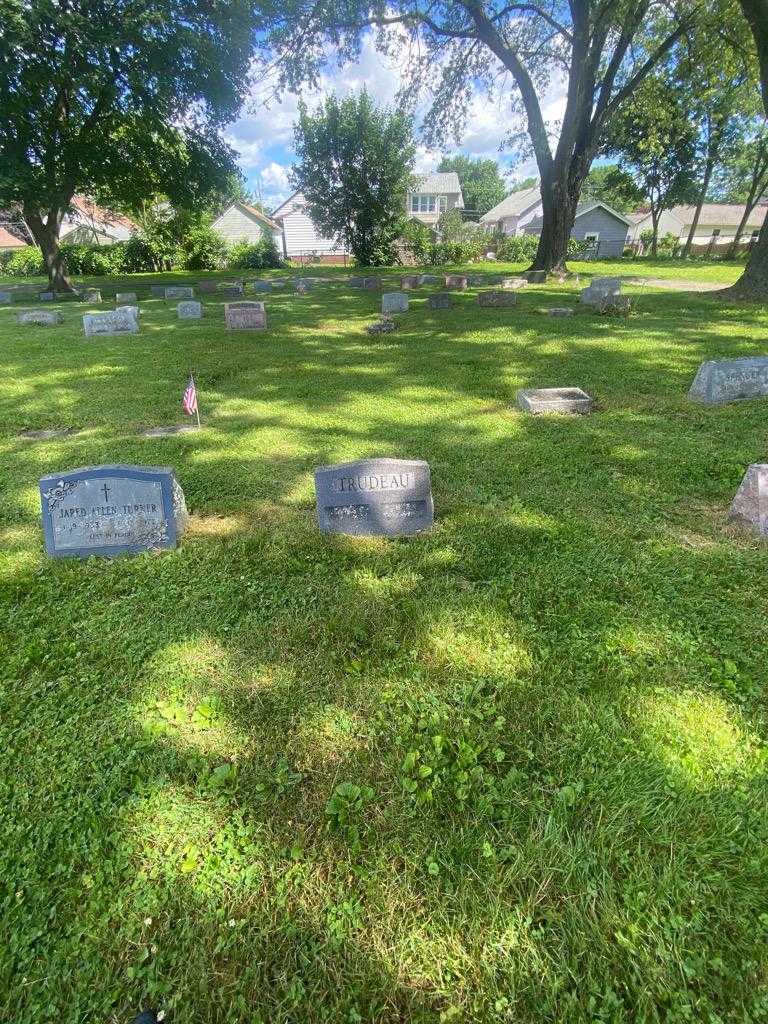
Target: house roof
[(252, 212), (100, 214), (721, 213), (513, 205), (286, 206), (9, 241), (592, 204), (440, 184)]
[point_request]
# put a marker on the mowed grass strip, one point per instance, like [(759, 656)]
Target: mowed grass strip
[(513, 770)]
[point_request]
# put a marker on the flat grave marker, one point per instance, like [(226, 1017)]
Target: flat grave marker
[(544, 400), (496, 298), (262, 286), (7, 297), (375, 497), (47, 296), (245, 316), (718, 381), (52, 434), (111, 510), (179, 292), (513, 283)]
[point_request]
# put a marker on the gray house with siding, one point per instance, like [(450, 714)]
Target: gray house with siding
[(595, 222)]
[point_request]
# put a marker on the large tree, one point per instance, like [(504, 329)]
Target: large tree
[(354, 169), (753, 283), (118, 100), (481, 182), (613, 185), (655, 139), (600, 49)]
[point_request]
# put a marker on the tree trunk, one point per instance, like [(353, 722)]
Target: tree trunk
[(558, 213), (708, 169), (655, 238), (46, 236), (733, 251), (753, 283)]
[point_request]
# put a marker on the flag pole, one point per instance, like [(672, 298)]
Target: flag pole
[(197, 402)]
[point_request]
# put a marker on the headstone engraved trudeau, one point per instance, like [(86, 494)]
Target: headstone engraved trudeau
[(730, 380), (750, 506), (245, 316), (375, 497), (117, 322), (111, 510)]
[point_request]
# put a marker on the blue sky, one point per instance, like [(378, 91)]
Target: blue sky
[(263, 136)]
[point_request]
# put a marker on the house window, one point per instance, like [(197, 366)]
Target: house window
[(442, 203), (423, 204), (592, 236)]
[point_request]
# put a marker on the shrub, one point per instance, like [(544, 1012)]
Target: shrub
[(254, 255), (94, 260), (202, 249), (27, 262), (417, 241), (140, 256), (517, 248)]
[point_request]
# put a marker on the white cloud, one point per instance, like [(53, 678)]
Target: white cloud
[(263, 136)]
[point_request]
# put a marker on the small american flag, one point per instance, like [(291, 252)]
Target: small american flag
[(189, 401)]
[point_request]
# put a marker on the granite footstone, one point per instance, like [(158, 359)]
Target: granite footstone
[(115, 322), (111, 510), (719, 381), (394, 302), (190, 309), (245, 316), (563, 400), (750, 506), (496, 298), (41, 317), (375, 497)]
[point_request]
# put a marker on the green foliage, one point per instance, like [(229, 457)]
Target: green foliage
[(201, 249), (354, 169), (254, 255), (482, 185), (95, 260), (26, 262), (517, 248), (418, 240), (610, 184), (344, 810)]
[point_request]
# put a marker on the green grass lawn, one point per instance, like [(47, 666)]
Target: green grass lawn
[(550, 710)]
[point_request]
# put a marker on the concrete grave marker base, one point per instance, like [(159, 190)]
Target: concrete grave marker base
[(750, 506), (375, 497), (111, 510), (46, 435), (718, 381), (544, 400), (185, 428)]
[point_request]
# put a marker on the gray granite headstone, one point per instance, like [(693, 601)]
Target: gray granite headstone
[(130, 310), (496, 298), (730, 380), (303, 284), (245, 316), (191, 309), (430, 279), (231, 291), (111, 510), (455, 281), (375, 497), (158, 290), (42, 317), (566, 400), (179, 292), (116, 322), (409, 282), (750, 506), (126, 298), (371, 284), (440, 300), (262, 286), (47, 296), (394, 302), (6, 296), (207, 287)]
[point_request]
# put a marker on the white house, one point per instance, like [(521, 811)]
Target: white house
[(243, 223), (433, 195), (717, 224), (300, 238), (514, 212)]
